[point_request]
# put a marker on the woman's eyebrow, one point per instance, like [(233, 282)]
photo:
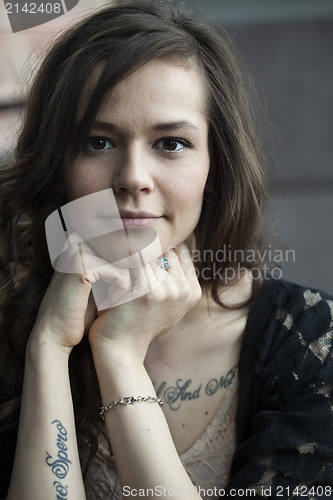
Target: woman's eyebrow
[(159, 127), (174, 125)]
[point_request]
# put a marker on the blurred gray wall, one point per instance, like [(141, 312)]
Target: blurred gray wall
[(288, 46), (292, 64)]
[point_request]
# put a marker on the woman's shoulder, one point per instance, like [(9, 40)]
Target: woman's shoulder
[(287, 293)]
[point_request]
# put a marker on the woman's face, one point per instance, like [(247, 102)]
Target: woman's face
[(149, 143)]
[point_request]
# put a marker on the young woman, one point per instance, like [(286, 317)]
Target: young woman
[(150, 102)]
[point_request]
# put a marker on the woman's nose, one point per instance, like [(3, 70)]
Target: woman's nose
[(133, 173)]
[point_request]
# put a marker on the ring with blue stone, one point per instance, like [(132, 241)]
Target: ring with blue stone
[(163, 263)]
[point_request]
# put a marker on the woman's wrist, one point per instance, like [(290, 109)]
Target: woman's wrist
[(120, 375), (41, 349), (120, 353), (117, 360)]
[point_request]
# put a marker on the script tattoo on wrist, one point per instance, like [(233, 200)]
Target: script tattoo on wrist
[(60, 464), (181, 391)]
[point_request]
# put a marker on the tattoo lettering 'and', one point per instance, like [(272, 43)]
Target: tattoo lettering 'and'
[(175, 395), (60, 464)]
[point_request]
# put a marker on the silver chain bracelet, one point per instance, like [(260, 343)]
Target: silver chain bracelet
[(129, 400)]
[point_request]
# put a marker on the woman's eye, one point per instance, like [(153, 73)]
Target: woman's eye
[(173, 145), (98, 144)]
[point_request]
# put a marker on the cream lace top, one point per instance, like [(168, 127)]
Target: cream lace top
[(207, 462)]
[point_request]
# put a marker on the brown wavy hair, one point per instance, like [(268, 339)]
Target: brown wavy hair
[(124, 36)]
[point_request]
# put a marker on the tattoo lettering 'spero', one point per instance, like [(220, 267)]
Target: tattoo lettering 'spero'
[(60, 464)]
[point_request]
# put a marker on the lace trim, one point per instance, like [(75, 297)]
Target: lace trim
[(208, 461)]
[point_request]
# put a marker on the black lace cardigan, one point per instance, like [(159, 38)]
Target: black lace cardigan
[(285, 409)]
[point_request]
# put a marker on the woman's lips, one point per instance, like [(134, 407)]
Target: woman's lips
[(131, 219), (139, 221)]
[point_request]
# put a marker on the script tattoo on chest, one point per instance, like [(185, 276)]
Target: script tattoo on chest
[(60, 464), (183, 390)]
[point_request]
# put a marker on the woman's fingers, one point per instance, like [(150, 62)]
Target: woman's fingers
[(125, 284), (189, 270)]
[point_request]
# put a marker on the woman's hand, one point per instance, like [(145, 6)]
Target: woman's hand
[(67, 309), (61, 317), (129, 328)]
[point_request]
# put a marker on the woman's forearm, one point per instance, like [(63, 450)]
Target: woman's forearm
[(142, 445), (46, 462)]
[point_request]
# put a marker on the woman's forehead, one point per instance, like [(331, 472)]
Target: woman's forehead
[(163, 79)]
